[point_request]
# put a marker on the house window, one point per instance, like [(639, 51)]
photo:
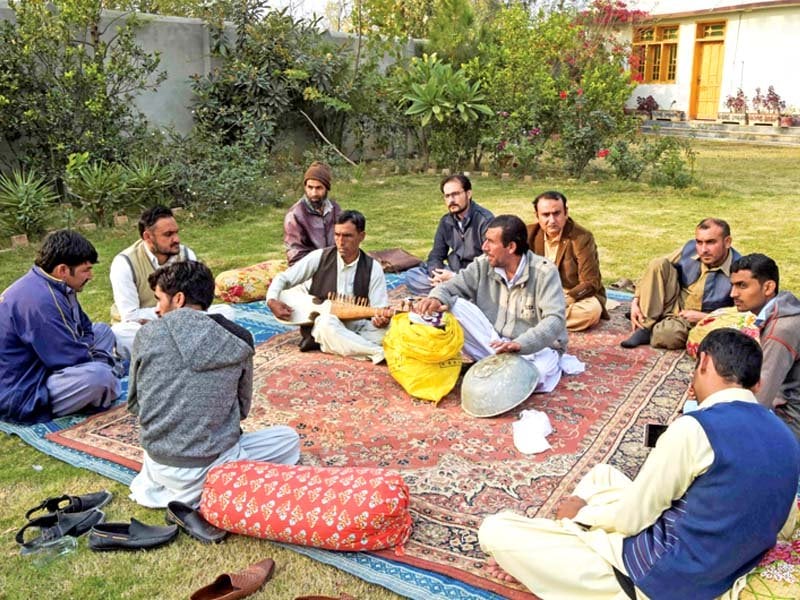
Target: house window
[(655, 50)]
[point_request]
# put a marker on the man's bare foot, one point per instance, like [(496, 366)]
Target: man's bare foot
[(497, 571)]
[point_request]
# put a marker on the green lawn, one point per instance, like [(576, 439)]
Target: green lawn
[(754, 188)]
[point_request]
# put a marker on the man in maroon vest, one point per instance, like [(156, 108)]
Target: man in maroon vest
[(342, 269)]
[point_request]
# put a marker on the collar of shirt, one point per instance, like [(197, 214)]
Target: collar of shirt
[(762, 315), (463, 222), (344, 265), (326, 206), (62, 285), (523, 264), (725, 267), (729, 395)]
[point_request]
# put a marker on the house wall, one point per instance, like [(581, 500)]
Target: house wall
[(760, 50)]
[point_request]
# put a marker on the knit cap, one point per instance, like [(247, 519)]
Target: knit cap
[(319, 171)]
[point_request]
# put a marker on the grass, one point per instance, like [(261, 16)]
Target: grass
[(754, 188)]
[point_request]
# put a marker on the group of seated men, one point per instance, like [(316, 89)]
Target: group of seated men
[(513, 289)]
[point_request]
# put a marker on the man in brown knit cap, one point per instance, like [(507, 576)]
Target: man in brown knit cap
[(309, 223)]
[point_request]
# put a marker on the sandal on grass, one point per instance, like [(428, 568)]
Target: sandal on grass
[(72, 504), (624, 285), (56, 525)]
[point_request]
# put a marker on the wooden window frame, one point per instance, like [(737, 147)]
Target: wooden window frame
[(657, 49)]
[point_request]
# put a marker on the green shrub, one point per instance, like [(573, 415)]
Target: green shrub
[(626, 162), (148, 182), (67, 83), (211, 177), (672, 161), (24, 202), (99, 188)]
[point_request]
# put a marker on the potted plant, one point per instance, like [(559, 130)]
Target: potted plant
[(669, 114), (737, 105), (646, 105), (766, 108)]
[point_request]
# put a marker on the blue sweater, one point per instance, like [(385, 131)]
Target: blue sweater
[(42, 330), (730, 515)]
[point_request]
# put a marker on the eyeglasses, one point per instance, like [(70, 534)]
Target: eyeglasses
[(453, 195)]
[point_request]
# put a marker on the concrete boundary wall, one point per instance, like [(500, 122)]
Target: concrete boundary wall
[(184, 46)]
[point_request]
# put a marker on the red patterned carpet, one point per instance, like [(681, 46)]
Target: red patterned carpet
[(459, 469)]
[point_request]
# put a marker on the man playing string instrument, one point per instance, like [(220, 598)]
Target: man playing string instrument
[(341, 269)]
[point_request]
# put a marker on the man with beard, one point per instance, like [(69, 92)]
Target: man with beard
[(134, 301), (679, 290), (308, 225), (458, 238)]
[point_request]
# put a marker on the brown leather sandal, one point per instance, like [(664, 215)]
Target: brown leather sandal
[(237, 585)]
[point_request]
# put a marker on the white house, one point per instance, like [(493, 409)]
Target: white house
[(693, 54)]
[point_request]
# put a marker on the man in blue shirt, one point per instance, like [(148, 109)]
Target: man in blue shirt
[(53, 360)]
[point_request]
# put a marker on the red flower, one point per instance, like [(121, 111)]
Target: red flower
[(562, 94), (580, 92), (603, 153)]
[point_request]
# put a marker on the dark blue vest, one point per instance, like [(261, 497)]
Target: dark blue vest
[(729, 517), (717, 290)]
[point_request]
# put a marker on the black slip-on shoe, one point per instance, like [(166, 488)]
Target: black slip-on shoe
[(72, 504), (133, 536), (193, 523), (309, 345), (640, 337), (57, 525)]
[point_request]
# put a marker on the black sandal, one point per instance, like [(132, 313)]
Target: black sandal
[(57, 525), (74, 504)]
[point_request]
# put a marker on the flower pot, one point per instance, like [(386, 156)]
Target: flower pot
[(763, 118), (739, 118)]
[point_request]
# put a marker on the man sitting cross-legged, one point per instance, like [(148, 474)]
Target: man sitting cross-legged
[(508, 300), (134, 302), (53, 360), (754, 288), (458, 237), (709, 502), (342, 269), (572, 250), (308, 224), (191, 384)]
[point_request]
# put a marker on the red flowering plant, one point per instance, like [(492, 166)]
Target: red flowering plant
[(513, 144)]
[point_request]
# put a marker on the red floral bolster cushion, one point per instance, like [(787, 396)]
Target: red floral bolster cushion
[(333, 508)]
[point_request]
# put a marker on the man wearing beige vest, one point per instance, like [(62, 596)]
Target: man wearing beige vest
[(134, 301)]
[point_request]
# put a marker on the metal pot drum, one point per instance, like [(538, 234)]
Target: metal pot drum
[(496, 384)]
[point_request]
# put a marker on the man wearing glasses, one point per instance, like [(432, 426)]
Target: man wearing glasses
[(458, 238)]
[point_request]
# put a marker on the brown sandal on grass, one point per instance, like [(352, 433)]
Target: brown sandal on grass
[(237, 585)]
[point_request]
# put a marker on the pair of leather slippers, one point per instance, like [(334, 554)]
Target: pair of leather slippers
[(137, 535)]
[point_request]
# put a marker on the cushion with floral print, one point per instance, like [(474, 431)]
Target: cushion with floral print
[(248, 284), (333, 508), (722, 317)]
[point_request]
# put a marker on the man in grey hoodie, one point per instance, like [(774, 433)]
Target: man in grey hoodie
[(754, 288), (191, 383)]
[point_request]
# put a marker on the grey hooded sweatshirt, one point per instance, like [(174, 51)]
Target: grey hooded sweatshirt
[(780, 372), (191, 382)]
